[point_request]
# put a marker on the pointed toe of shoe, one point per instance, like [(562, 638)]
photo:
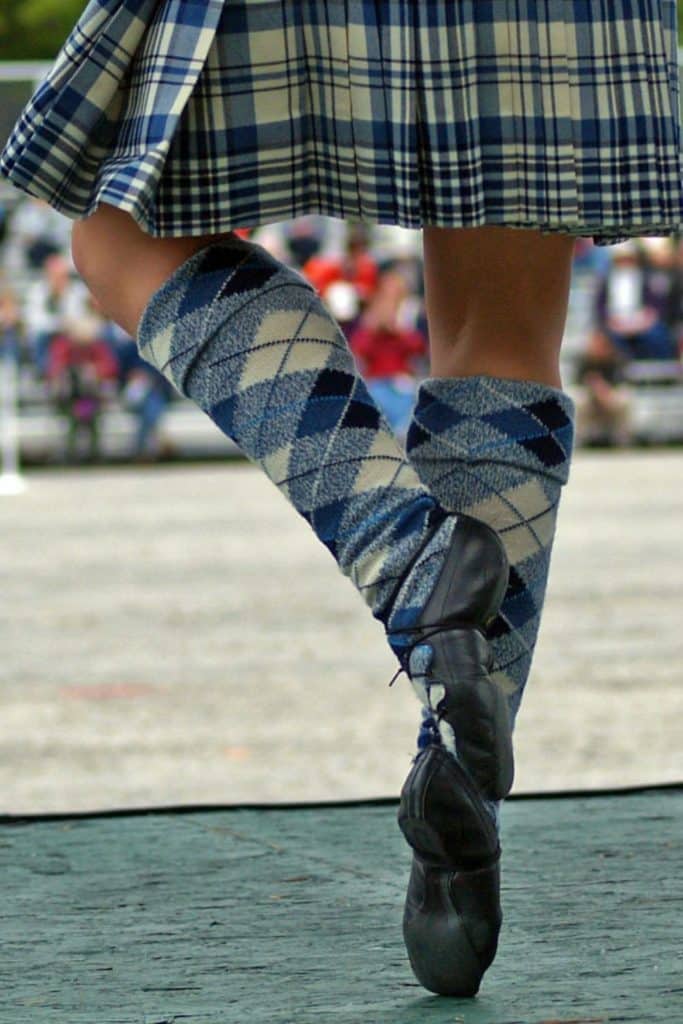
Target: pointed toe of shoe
[(451, 924), (452, 913)]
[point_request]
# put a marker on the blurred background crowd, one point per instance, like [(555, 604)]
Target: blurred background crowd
[(84, 395)]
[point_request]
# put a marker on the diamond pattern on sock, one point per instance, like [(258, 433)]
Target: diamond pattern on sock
[(499, 450), (251, 343)]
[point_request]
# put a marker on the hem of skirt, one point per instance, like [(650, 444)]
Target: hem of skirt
[(601, 233)]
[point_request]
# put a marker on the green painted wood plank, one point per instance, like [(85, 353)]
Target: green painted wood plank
[(293, 917)]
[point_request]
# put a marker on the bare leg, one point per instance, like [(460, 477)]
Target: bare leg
[(123, 266), (492, 432), (497, 301)]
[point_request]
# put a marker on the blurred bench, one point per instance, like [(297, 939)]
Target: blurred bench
[(656, 400), (657, 409), (187, 433)]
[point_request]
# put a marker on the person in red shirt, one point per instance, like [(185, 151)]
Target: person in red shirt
[(389, 355), (356, 267), (81, 372)]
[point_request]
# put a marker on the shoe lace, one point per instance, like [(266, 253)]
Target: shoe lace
[(421, 634), (438, 712)]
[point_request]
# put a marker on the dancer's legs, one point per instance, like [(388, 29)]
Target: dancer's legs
[(492, 433), (249, 341)]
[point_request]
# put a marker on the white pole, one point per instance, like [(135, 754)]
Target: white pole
[(11, 481)]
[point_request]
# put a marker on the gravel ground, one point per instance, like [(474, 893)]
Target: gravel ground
[(176, 635)]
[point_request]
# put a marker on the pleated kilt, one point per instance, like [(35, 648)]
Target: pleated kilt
[(203, 115)]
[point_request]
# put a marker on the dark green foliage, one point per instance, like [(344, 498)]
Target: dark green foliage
[(35, 29)]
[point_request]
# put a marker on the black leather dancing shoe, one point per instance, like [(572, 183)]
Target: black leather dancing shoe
[(452, 914), (465, 599)]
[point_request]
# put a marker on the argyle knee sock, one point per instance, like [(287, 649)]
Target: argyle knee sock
[(251, 343), (499, 450)]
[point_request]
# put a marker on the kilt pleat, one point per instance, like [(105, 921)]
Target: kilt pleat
[(205, 115)]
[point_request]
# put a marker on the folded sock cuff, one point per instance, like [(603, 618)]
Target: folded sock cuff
[(189, 292), (491, 419)]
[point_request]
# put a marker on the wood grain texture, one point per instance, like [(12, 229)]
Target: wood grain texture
[(293, 917)]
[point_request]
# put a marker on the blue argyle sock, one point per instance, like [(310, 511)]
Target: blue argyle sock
[(251, 343), (499, 450)]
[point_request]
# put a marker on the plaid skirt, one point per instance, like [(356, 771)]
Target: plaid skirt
[(204, 115)]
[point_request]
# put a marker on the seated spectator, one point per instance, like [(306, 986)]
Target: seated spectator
[(389, 355), (590, 258), (296, 241), (668, 262), (147, 395), (35, 231), (53, 300), (10, 321), (303, 237), (81, 374), (664, 282), (604, 408), (355, 266), (144, 392), (633, 304)]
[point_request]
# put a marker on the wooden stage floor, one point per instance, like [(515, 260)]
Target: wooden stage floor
[(292, 916)]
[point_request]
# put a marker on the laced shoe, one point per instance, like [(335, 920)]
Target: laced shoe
[(452, 913)]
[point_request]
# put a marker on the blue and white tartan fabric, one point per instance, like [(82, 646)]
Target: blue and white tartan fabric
[(203, 115)]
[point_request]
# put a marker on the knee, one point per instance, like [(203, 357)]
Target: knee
[(106, 253), (122, 265), (91, 257)]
